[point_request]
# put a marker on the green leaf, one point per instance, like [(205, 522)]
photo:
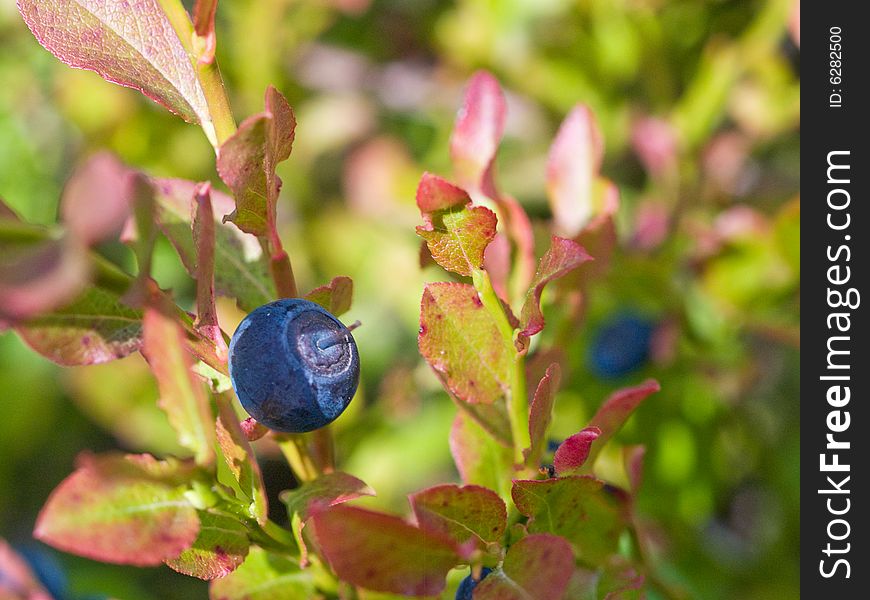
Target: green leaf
[(336, 296), (479, 458), (577, 508), (456, 232), (561, 258), (121, 509), (182, 394), (264, 576), (240, 458), (96, 328), (241, 271), (538, 567), (132, 44), (461, 513), (461, 342), (247, 162), (220, 547), (384, 553), (541, 412)]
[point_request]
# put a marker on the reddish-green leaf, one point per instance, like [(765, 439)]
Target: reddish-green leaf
[(461, 513), (126, 510), (478, 130), (206, 323), (248, 159), (562, 257), (203, 24), (456, 233), (615, 412), (240, 458), (132, 44), (96, 199), (541, 412), (461, 342), (264, 576), (220, 547), (632, 458), (182, 394), (572, 453), (479, 458), (17, 580), (572, 168), (336, 296), (330, 489), (241, 271), (538, 566), (384, 553), (577, 508), (96, 328)]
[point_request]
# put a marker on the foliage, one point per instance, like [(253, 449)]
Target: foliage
[(521, 286)]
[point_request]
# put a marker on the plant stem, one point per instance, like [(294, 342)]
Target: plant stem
[(295, 450), (517, 401)]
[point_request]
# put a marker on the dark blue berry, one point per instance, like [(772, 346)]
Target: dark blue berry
[(294, 366), (621, 345), (466, 588)]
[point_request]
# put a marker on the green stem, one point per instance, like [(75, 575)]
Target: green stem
[(517, 401), (295, 450)]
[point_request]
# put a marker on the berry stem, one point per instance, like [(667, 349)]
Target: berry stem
[(295, 450)]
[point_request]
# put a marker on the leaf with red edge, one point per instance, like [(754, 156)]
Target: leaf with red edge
[(541, 412), (461, 513), (383, 553), (206, 323), (218, 550), (203, 25), (240, 458), (479, 458), (182, 395), (478, 130), (17, 580), (577, 508), (264, 576), (632, 458), (336, 296), (562, 257), (241, 271), (121, 509), (96, 199), (572, 169), (456, 233), (538, 566), (330, 489), (247, 161), (461, 342), (615, 411), (572, 453), (132, 44), (95, 328)]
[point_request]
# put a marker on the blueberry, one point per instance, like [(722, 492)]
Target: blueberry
[(621, 345), (466, 588), (294, 366)]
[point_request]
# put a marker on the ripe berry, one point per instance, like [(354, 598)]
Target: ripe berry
[(621, 345), (293, 365), (466, 588)]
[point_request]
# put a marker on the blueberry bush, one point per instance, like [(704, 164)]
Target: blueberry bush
[(274, 451)]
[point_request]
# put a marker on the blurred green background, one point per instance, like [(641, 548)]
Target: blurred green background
[(699, 103)]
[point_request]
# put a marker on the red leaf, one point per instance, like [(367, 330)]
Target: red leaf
[(572, 168), (96, 199), (615, 412), (384, 553), (461, 513), (632, 458), (247, 161), (572, 453), (541, 412), (204, 238), (132, 44), (456, 233), (563, 257), (17, 580), (124, 510), (538, 566), (330, 489), (478, 130), (461, 342)]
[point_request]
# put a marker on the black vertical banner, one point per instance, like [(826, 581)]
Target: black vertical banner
[(835, 367)]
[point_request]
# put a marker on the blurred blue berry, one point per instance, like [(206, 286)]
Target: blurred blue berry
[(466, 588), (621, 345)]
